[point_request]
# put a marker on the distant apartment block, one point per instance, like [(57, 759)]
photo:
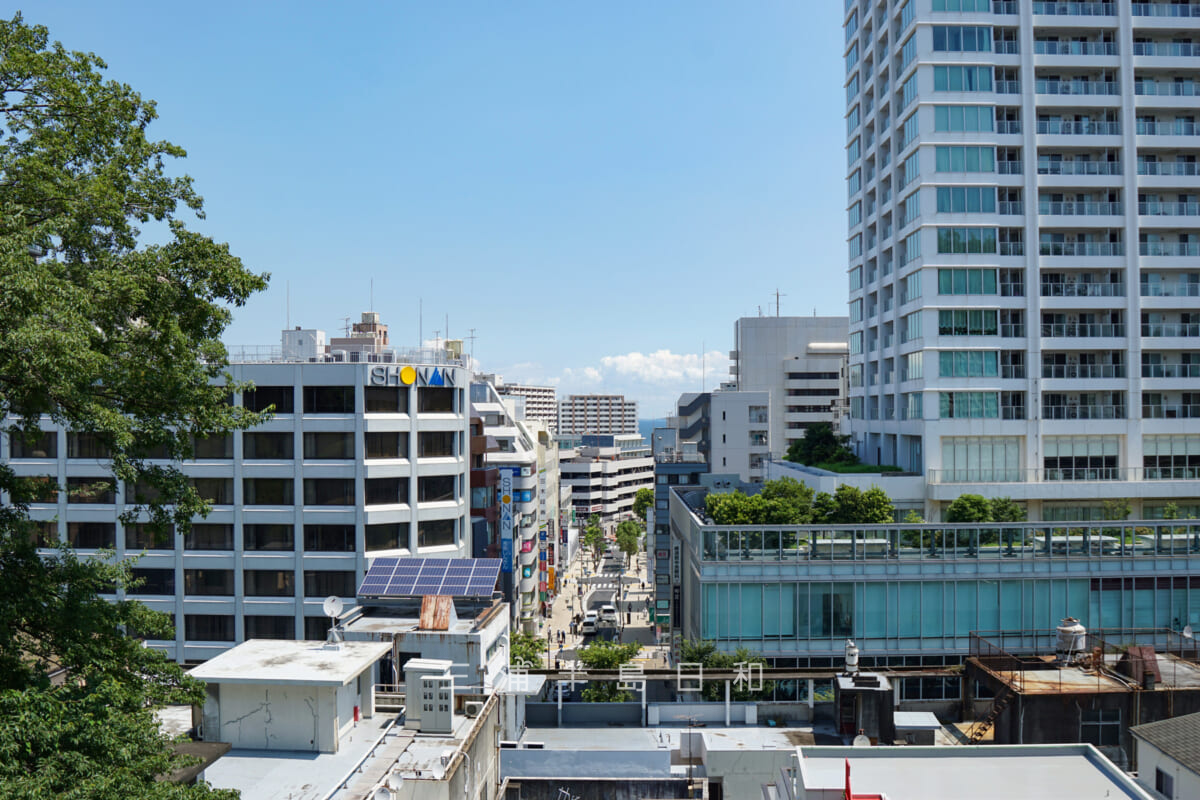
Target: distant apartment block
[(597, 413), (541, 402)]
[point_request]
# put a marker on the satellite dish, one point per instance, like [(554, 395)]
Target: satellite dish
[(862, 741), (332, 606), (1187, 632), (394, 781), (383, 793)]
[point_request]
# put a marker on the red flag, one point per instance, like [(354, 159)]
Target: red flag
[(849, 795)]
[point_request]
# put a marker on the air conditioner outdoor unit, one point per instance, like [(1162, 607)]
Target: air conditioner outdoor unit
[(472, 708)]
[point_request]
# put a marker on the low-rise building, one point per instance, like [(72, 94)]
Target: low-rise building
[(1167, 756)]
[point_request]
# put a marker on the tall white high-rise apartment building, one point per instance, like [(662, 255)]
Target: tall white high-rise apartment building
[(597, 413), (540, 401), (1024, 258)]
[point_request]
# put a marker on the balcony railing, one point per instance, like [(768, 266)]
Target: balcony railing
[(1007, 87), (1153, 89), (1044, 48), (1083, 412), (1170, 411), (1005, 48), (1008, 167), (1005, 7), (1079, 168), (1075, 330), (1012, 372), (1168, 168), (1008, 126), (1073, 208), (1165, 10), (1010, 207), (1165, 49), (1012, 330), (1083, 290), (1074, 9), (1012, 289), (1171, 370), (1084, 473), (1169, 209), (1179, 289), (1169, 128), (1011, 249), (1081, 128), (1169, 249), (1045, 86), (1185, 329), (1083, 371), (1081, 248)]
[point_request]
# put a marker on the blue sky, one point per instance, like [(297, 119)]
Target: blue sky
[(599, 189)]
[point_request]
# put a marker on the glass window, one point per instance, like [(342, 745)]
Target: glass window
[(91, 491), (386, 491), (437, 488), (261, 446), (386, 400), (328, 399), (435, 533), (269, 537), (280, 399), (328, 491), (212, 447), (435, 400), (329, 445), (92, 535), (260, 626), (217, 491), (435, 444), (208, 627), (321, 583), (43, 445), (209, 536), (140, 536), (269, 582), (152, 581), (387, 444), (388, 536), (329, 538), (268, 491), (86, 445), (208, 582)]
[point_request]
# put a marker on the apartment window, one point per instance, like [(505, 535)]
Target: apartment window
[(212, 447), (908, 52), (962, 39), (852, 88), (316, 628), (209, 536), (437, 488), (851, 57), (1081, 457), (964, 119), (43, 445), (966, 281), (42, 488), (268, 491), (854, 183), (856, 307), (1100, 727), (86, 445), (338, 446), (152, 581), (966, 240), (387, 444), (435, 444), (914, 366), (981, 458), (435, 533), (912, 326), (914, 405), (908, 92), (1164, 783), (852, 120), (853, 151), (952, 158), (140, 536), (280, 399), (912, 287), (851, 26), (329, 538), (966, 199), (856, 245), (318, 583), (912, 247), (969, 405), (259, 626), (983, 7), (856, 343), (910, 208), (328, 491), (968, 363), (91, 491), (854, 215), (856, 408), (435, 400), (208, 627), (386, 400), (967, 322), (217, 491), (267, 446), (269, 537), (387, 536), (328, 399), (962, 79), (386, 491), (92, 535), (856, 375), (1167, 457), (208, 582), (269, 582), (912, 127)]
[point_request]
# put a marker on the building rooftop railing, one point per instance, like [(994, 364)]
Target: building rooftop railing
[(267, 354)]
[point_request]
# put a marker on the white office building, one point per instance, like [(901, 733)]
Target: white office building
[(1024, 267), (799, 362), (597, 413), (360, 460), (604, 475)]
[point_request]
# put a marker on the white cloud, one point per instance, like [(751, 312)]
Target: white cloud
[(654, 379), (664, 367)]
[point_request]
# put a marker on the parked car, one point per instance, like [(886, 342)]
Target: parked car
[(588, 625)]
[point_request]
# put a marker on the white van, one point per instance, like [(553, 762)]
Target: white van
[(608, 613), (589, 623)]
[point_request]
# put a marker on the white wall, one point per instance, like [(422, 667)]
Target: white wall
[(256, 717), (1150, 759)]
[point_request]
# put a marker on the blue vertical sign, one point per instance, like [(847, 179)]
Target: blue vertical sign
[(506, 519)]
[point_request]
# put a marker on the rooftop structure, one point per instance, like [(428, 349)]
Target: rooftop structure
[(1168, 756)]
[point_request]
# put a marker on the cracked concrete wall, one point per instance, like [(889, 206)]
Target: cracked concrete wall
[(272, 717)]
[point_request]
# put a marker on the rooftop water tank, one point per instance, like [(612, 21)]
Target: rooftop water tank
[(1071, 639), (851, 657)]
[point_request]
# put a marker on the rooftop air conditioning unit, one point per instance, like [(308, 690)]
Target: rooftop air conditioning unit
[(472, 708)]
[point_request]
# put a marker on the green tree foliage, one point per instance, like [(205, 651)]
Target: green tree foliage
[(849, 505), (782, 502), (607, 655), (1116, 508), (913, 518), (642, 502), (593, 538), (526, 650), (1005, 509), (714, 660), (629, 533), (120, 340), (969, 508), (821, 445)]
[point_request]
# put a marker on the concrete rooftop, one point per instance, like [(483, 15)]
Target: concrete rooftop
[(279, 661)]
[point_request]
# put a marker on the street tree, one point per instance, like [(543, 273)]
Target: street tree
[(593, 538), (112, 337), (604, 655), (526, 650), (628, 535), (642, 502)]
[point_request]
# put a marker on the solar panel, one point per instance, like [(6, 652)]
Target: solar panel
[(414, 577)]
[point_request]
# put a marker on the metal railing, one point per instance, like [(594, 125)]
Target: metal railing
[(1050, 86), (1168, 167), (1082, 412), (1169, 209), (1007, 87), (1081, 248), (1171, 370), (1082, 289), (1005, 48), (1010, 207), (1074, 9), (1080, 208), (1069, 48), (1079, 167), (1170, 329), (1010, 248), (1154, 89), (1081, 128), (1167, 128), (1008, 126), (1083, 370), (1169, 249), (1165, 49), (1008, 168), (1001, 475), (1165, 10), (1083, 329), (1170, 411)]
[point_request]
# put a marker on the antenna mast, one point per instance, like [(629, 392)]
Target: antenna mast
[(471, 339), (777, 296)]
